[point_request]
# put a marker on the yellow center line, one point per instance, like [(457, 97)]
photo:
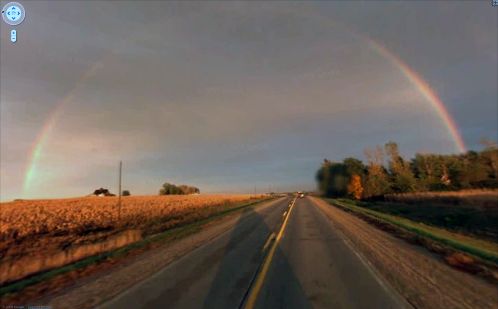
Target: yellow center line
[(268, 241), (260, 279)]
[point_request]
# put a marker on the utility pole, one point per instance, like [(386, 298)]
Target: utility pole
[(119, 188)]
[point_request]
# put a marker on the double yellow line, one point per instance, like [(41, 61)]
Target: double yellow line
[(260, 278)]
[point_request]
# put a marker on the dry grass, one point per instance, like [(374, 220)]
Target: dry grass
[(37, 235), (476, 198)]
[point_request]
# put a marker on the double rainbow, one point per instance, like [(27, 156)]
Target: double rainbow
[(415, 79)]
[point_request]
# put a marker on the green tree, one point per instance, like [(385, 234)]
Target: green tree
[(425, 172), (323, 176), (333, 179), (171, 189), (402, 178), (475, 170), (355, 167), (431, 172), (489, 157)]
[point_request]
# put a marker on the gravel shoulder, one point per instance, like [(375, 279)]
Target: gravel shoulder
[(421, 277), (105, 286)]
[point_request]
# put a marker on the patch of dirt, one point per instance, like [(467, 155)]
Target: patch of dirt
[(421, 277)]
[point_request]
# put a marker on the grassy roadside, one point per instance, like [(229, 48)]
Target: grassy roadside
[(156, 239), (465, 218), (481, 249)]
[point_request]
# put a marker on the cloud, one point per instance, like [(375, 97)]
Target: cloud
[(228, 95)]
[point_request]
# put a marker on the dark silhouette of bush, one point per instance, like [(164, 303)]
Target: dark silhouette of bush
[(103, 192), (171, 189), (126, 193)]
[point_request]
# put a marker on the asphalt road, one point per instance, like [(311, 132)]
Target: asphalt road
[(312, 267)]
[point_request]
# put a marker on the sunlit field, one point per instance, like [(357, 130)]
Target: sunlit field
[(36, 235)]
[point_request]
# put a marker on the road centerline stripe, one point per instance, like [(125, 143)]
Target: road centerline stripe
[(260, 278), (268, 241)]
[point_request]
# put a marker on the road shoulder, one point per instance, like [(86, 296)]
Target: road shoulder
[(423, 279)]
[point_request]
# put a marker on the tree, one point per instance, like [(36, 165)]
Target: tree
[(355, 189), (489, 157), (103, 192), (126, 193), (171, 189), (323, 176), (424, 169), (333, 179), (402, 178), (355, 167), (376, 182), (168, 189), (425, 172), (435, 172), (475, 170), (188, 190)]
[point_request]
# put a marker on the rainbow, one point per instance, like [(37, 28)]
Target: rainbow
[(426, 91), (49, 124), (414, 78)]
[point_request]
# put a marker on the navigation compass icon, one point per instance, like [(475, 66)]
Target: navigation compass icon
[(13, 13)]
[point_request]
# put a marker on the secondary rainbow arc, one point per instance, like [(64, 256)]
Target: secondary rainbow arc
[(431, 96), (49, 124)]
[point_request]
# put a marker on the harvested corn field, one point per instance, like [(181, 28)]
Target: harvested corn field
[(37, 235)]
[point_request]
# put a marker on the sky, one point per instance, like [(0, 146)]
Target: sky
[(234, 96)]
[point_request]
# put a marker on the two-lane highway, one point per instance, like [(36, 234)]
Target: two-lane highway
[(314, 267), (310, 266)]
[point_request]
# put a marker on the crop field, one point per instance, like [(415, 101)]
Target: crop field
[(474, 198), (470, 212), (36, 235)]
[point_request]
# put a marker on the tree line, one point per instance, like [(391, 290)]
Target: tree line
[(171, 189), (386, 171)]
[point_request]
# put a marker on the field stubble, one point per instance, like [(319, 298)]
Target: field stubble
[(37, 235)]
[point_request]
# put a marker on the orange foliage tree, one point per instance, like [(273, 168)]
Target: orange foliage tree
[(355, 189)]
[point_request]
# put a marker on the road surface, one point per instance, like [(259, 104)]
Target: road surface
[(311, 266)]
